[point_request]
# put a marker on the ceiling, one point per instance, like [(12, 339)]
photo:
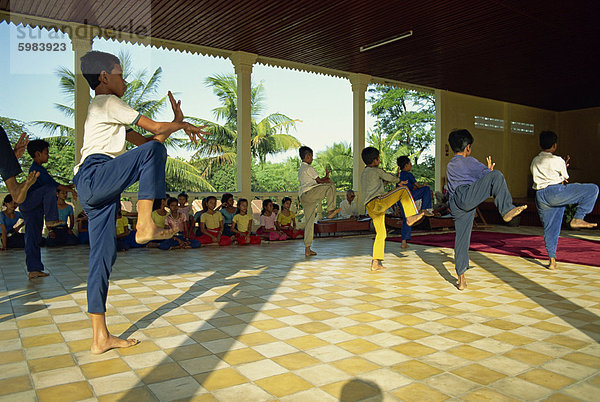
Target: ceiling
[(537, 52)]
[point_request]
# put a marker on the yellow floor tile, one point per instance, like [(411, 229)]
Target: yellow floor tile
[(80, 345), (479, 374), (68, 392), (361, 330), (502, 324), (469, 352), (295, 361), (14, 385), (485, 394), (419, 392), (548, 326), (50, 363), (104, 368), (453, 322), (162, 332), (364, 317), (355, 365), (220, 379), (358, 346), (34, 322), (413, 349), (527, 356), (266, 325), (566, 341), (11, 334), (314, 327), (74, 325), (12, 356), (283, 384), (306, 342), (584, 359), (408, 320), (353, 390), (41, 340), (411, 333), (240, 356), (513, 339), (416, 369), (320, 315), (547, 379)]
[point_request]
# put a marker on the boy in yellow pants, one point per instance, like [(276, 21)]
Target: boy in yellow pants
[(377, 201)]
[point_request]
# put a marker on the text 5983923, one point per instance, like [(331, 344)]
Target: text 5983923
[(41, 47)]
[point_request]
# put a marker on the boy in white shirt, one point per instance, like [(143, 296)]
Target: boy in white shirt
[(554, 194), (311, 191), (106, 170)]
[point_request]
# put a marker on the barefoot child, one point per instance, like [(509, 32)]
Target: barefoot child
[(554, 194), (211, 225), (286, 220), (11, 238), (106, 169), (10, 168), (312, 189), (178, 220), (418, 191), (40, 203), (242, 225), (62, 235), (377, 201), (228, 211), (470, 183)]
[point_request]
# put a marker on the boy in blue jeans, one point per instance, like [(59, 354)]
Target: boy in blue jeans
[(470, 183), (418, 191), (106, 170), (554, 194), (40, 203)]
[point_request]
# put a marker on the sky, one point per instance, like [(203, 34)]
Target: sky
[(30, 86)]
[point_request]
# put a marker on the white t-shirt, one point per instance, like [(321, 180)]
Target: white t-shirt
[(307, 176), (347, 209), (104, 129), (548, 169)]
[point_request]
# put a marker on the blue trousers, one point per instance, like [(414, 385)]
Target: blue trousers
[(423, 194), (551, 202), (100, 182), (40, 202), (463, 204), (168, 243), (9, 165), (83, 237)]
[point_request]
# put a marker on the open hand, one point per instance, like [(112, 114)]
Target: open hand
[(176, 106), (489, 163), (21, 145), (195, 132)]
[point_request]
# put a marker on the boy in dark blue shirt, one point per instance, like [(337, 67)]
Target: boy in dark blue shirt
[(418, 191), (40, 202), (470, 183)]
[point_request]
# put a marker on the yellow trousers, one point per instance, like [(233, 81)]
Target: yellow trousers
[(376, 209)]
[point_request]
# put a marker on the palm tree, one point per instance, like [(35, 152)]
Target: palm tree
[(340, 159), (268, 136), (141, 89)]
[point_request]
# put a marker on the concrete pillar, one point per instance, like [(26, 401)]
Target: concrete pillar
[(82, 91), (243, 63), (439, 141), (359, 83)]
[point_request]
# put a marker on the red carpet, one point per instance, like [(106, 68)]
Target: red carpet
[(577, 251)]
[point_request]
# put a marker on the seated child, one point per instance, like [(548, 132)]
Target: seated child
[(211, 225), (275, 210), (554, 194), (470, 183), (349, 208), (311, 191), (178, 220), (286, 220), (377, 201), (125, 237), (267, 227), (198, 215), (10, 168), (62, 235), (418, 191), (159, 217), (242, 224), (11, 238), (228, 211), (186, 209), (82, 228)]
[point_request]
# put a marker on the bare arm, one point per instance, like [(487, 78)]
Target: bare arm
[(4, 237)]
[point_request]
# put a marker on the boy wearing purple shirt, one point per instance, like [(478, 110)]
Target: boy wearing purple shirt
[(470, 183)]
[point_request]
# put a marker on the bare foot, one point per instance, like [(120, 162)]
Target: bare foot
[(333, 213), (112, 342), (581, 224), (308, 252), (462, 282), (152, 232), (376, 265), (37, 274), (427, 212), (404, 244), (411, 220), (514, 212), (552, 264), (22, 188)]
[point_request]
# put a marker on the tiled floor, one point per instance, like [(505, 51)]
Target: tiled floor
[(263, 323)]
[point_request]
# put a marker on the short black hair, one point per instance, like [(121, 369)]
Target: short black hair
[(285, 199), (183, 195), (402, 161), (265, 203), (226, 197), (275, 206), (36, 146), (237, 211), (459, 139), (94, 62), (7, 200), (210, 197), (303, 151), (547, 139), (172, 199), (369, 154), (157, 203)]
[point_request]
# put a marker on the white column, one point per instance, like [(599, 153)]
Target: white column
[(359, 83), (82, 92), (243, 63), (439, 141)]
